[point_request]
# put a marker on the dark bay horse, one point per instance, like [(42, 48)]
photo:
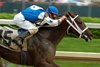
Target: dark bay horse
[(42, 46)]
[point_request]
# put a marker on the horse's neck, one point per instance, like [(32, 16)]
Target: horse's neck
[(53, 34)]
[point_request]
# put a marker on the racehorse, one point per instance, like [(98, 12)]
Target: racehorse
[(41, 47)]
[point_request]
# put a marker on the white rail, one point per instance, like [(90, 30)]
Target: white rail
[(10, 22), (78, 56), (6, 21), (93, 25)]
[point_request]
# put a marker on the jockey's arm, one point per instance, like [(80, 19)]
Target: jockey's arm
[(53, 22)]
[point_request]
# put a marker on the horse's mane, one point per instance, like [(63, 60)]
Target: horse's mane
[(44, 34)]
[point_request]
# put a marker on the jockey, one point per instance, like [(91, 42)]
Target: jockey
[(28, 19)]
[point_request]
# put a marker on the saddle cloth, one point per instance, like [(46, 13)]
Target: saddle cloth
[(7, 34)]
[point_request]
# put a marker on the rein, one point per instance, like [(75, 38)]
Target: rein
[(74, 25)]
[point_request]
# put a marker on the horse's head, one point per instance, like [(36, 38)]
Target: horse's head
[(78, 27)]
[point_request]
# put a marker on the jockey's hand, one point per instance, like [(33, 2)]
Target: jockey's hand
[(63, 18)]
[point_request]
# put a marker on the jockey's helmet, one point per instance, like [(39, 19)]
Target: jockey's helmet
[(52, 9)]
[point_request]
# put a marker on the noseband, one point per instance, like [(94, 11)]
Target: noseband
[(74, 25)]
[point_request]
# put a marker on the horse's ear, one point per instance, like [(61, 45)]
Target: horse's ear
[(70, 13), (67, 14)]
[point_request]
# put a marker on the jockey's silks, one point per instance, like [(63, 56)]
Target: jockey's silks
[(31, 14)]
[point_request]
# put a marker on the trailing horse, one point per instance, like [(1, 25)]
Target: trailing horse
[(41, 48)]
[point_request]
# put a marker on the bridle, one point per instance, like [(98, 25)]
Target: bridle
[(74, 25)]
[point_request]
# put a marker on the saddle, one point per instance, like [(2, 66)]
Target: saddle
[(7, 34)]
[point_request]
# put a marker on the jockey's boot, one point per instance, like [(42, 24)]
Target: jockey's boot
[(19, 39)]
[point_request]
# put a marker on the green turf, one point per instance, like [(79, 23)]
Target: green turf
[(77, 64), (76, 44)]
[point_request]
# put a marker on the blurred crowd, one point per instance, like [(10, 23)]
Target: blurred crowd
[(61, 1), (58, 1), (77, 2), (23, 0)]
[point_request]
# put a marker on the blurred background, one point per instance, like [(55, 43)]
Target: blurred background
[(82, 7)]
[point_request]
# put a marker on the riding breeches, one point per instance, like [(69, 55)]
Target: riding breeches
[(20, 21)]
